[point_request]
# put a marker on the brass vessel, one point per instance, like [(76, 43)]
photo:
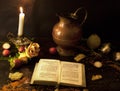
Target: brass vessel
[(67, 32)]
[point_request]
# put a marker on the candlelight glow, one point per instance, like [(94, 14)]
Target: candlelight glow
[(21, 9)]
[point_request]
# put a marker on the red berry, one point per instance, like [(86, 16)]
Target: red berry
[(6, 52), (52, 50), (21, 49), (17, 62)]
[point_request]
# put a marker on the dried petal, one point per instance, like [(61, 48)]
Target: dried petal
[(106, 48), (117, 56), (79, 57), (96, 77), (97, 64)]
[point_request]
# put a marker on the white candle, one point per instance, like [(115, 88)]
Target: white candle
[(21, 22)]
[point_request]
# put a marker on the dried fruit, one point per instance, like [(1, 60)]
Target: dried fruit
[(93, 41), (117, 56), (17, 63), (79, 57), (24, 59), (106, 48), (21, 49), (6, 46), (97, 64), (6, 52), (96, 77), (52, 50)]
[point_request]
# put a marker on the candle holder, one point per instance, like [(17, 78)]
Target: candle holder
[(20, 40)]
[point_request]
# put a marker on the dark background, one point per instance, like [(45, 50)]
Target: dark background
[(40, 17), (103, 17)]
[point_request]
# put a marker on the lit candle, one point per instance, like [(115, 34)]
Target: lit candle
[(21, 22)]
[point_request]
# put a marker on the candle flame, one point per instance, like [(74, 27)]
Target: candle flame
[(21, 9)]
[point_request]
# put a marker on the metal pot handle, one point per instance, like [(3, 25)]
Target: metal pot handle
[(75, 16)]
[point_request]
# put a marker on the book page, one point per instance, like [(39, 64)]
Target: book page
[(33, 78), (48, 70), (72, 74)]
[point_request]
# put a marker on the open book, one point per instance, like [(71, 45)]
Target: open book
[(56, 72)]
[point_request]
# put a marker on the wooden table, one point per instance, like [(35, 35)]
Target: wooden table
[(110, 76)]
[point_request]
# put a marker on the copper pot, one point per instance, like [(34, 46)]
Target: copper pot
[(67, 32)]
